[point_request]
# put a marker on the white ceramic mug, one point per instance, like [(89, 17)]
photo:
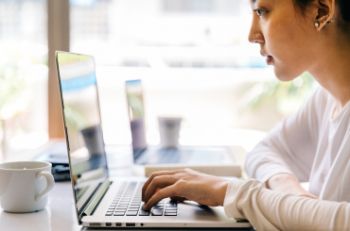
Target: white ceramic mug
[(169, 131), (24, 185)]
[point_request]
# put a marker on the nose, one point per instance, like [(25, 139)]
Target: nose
[(255, 34)]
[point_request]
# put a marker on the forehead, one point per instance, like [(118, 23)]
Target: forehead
[(272, 3), (263, 1)]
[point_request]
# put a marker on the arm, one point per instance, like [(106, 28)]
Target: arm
[(290, 148), (269, 210), (265, 209), (287, 183)]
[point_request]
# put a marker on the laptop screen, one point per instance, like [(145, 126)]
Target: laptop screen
[(135, 104), (82, 122)]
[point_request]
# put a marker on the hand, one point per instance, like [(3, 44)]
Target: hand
[(185, 184), (287, 183)]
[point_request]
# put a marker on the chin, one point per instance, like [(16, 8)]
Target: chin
[(285, 76)]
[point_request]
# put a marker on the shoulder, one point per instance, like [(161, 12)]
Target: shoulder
[(320, 95), (320, 101)]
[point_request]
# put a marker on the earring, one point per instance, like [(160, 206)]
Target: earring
[(317, 24)]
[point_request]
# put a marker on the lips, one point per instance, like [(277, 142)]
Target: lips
[(269, 58)]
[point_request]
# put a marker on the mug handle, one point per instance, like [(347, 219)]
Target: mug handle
[(49, 184)]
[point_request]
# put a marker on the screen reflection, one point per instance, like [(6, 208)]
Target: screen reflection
[(82, 123)]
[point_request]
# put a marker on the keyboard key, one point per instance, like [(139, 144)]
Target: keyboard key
[(131, 213), (157, 211), (167, 213), (171, 204), (119, 213), (144, 213)]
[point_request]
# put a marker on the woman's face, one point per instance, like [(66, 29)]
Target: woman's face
[(284, 35)]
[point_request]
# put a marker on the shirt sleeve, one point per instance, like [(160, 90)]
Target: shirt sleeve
[(290, 147), (270, 210)]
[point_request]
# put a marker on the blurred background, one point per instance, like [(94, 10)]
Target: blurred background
[(192, 56)]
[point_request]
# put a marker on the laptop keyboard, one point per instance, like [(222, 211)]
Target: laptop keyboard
[(170, 155), (127, 202)]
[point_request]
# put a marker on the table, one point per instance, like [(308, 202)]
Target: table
[(59, 214)]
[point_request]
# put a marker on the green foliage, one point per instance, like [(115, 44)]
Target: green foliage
[(285, 95)]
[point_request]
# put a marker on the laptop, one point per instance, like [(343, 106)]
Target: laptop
[(87, 108), (145, 154), (100, 201)]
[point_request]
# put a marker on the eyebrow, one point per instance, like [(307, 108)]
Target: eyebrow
[(252, 2)]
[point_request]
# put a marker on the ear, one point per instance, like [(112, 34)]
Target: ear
[(325, 13)]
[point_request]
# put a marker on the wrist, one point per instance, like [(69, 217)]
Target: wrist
[(222, 192)]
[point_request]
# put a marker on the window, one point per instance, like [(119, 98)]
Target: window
[(23, 74), (192, 56)]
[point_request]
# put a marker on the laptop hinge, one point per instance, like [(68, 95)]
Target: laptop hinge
[(96, 198)]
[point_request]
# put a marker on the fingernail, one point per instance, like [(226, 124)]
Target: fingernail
[(145, 207)]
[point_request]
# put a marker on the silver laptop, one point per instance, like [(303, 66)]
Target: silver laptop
[(83, 106), (152, 154), (101, 202)]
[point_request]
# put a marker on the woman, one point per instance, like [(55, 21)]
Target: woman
[(313, 145)]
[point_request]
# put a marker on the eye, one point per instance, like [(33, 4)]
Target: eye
[(260, 12)]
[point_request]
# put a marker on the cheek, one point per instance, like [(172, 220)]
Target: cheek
[(279, 41), (288, 52), (286, 41), (287, 49)]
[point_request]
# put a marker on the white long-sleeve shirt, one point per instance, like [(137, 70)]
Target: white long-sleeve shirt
[(270, 210), (314, 145)]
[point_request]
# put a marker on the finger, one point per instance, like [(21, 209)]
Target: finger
[(176, 198), (157, 183), (155, 174), (169, 191)]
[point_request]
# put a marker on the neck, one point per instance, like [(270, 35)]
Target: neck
[(332, 68)]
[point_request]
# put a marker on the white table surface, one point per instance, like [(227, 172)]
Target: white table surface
[(59, 214)]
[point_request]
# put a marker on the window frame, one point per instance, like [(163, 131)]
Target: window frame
[(58, 39)]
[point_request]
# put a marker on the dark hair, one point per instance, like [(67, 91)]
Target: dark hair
[(343, 5), (344, 9)]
